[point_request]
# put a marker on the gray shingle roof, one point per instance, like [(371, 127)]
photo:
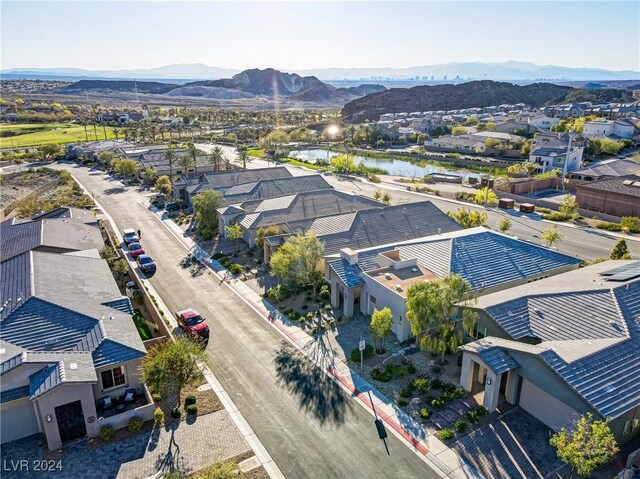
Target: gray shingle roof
[(227, 179), (67, 212), (274, 188), (67, 367), (379, 226), (614, 167)]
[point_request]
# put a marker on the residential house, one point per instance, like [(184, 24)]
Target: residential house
[(379, 277), (156, 160), (256, 214), (551, 150), (616, 129), (512, 125), (185, 187), (67, 343), (563, 347), (619, 196), (611, 168)]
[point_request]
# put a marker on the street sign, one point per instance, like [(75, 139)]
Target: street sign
[(362, 346)]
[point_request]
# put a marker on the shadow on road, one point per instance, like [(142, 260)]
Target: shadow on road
[(317, 393), (113, 191)]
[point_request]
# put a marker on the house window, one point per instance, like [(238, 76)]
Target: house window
[(112, 378), (372, 299), (479, 331)]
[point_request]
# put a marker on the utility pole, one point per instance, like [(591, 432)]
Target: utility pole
[(566, 162)]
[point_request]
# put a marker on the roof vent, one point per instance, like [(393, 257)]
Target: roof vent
[(2, 350), (73, 366), (414, 270), (398, 287), (388, 275)]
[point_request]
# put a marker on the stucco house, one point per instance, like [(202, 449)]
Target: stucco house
[(67, 342), (371, 278), (563, 347), (619, 196)]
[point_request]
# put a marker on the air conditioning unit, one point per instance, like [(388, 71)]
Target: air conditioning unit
[(398, 287), (388, 275)]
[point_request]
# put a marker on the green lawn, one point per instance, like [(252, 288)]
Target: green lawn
[(294, 162), (257, 152), (141, 325), (30, 134)]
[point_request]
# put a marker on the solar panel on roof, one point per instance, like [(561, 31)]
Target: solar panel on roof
[(635, 266)]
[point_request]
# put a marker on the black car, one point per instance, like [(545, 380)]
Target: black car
[(146, 263)]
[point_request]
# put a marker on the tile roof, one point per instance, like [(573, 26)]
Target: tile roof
[(613, 167), (615, 185), (274, 188), (227, 179), (594, 345), (497, 360), (70, 213), (67, 367), (378, 226), (349, 274)]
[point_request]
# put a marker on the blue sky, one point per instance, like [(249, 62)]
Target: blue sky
[(298, 35)]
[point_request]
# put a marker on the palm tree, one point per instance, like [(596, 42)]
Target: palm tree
[(193, 153), (216, 157), (115, 132), (184, 162), (244, 157), (170, 156)]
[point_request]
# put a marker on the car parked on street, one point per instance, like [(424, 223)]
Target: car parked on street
[(146, 264), (135, 249), (130, 236), (193, 324)]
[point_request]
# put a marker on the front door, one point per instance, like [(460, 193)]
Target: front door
[(71, 421)]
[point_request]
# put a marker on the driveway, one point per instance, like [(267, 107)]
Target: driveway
[(309, 425)]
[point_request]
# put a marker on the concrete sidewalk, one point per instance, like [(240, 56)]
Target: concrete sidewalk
[(444, 460)]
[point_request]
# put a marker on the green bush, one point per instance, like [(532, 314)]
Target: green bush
[(158, 416), (192, 409), (382, 375), (460, 425), (367, 353), (437, 403), (325, 293), (543, 209), (402, 402), (106, 433), (482, 410), (555, 217), (374, 179), (219, 256), (399, 371), (405, 392), (446, 434), (630, 223), (411, 369), (135, 424), (425, 413), (472, 417), (459, 392), (235, 268), (176, 413), (437, 383), (609, 226), (156, 397), (189, 400), (421, 384), (278, 293), (225, 262)]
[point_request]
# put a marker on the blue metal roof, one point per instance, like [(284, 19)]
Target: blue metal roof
[(44, 380), (121, 304), (111, 352), (488, 259), (18, 238), (349, 274), (13, 394), (497, 360)]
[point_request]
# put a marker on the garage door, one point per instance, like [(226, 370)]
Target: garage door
[(542, 405), (18, 420)]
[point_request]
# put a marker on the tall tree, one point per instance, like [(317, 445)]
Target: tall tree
[(163, 185), (620, 250), (550, 236), (297, 261), (265, 232), (244, 157), (170, 156), (194, 152), (380, 327), (569, 206), (185, 162), (149, 175), (431, 307), (205, 206), (586, 446), (216, 157), (172, 366), (234, 233), (105, 157)]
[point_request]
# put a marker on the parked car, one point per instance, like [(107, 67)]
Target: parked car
[(146, 263), (130, 236), (135, 249), (172, 207), (192, 323)]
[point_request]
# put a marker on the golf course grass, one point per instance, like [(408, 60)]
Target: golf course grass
[(35, 134)]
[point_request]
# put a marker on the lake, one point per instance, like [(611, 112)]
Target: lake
[(393, 166)]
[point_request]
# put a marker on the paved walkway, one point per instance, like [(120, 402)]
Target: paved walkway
[(184, 446), (441, 458)]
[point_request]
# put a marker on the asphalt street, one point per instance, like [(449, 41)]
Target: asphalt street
[(308, 424)]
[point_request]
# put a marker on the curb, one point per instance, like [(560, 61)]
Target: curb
[(265, 309)]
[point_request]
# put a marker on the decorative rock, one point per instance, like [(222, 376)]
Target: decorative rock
[(416, 401)]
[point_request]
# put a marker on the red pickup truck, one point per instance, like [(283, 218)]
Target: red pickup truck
[(192, 323)]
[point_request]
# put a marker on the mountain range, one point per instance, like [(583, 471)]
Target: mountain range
[(510, 70)]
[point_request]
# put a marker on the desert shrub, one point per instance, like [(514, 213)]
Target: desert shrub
[(106, 433), (380, 374), (543, 209), (189, 400), (471, 416), (482, 410), (192, 409), (135, 424), (405, 392), (425, 413), (176, 413), (555, 217), (158, 416), (446, 434), (411, 369), (367, 353), (399, 371), (156, 397), (448, 387), (437, 383), (325, 293), (437, 403), (402, 402), (235, 268), (278, 293), (421, 384), (219, 256), (374, 179), (459, 392), (460, 425)]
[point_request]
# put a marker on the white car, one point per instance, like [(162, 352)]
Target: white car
[(130, 236)]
